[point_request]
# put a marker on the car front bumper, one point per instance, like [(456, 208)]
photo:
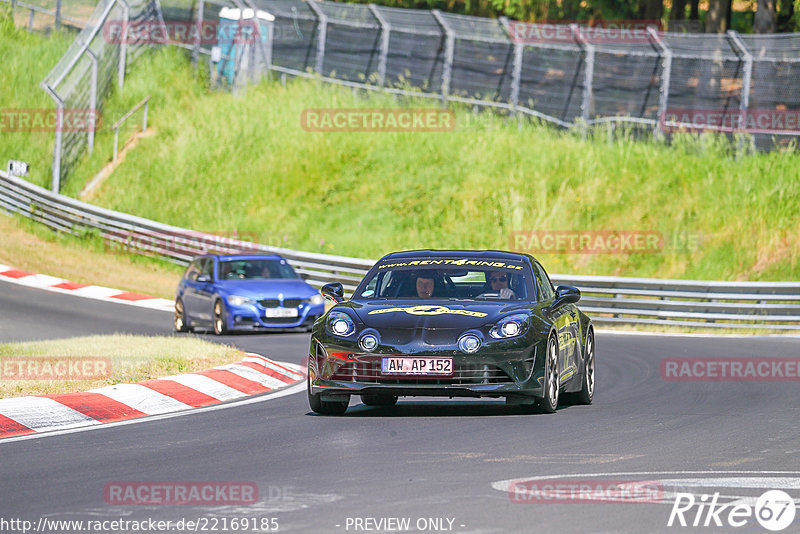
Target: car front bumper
[(517, 373), (253, 317)]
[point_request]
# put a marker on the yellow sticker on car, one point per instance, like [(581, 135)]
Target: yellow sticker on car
[(429, 310)]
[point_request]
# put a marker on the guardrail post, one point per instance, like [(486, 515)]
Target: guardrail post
[(92, 99), (322, 36), (30, 20), (588, 76), (386, 31), (450, 44), (665, 54), (58, 14), (123, 46), (516, 73)]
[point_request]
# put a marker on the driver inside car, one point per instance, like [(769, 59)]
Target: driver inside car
[(498, 282)]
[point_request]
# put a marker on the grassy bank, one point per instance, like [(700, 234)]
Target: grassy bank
[(244, 163), (35, 248), (27, 58), (129, 359), (224, 164)]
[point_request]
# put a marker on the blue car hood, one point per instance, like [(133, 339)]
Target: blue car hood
[(271, 288)]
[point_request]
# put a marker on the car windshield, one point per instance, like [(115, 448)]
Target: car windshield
[(511, 282), (255, 269)]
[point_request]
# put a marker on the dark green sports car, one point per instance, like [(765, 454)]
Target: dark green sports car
[(452, 324)]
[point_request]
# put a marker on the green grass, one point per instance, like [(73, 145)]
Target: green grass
[(131, 359), (27, 58), (242, 163)]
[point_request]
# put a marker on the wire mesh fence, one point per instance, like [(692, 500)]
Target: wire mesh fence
[(43, 15), (569, 75), (565, 74), (82, 79)]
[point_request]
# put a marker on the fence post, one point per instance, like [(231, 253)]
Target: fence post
[(266, 49), (92, 98), (322, 19), (58, 14), (55, 184), (198, 22), (123, 46), (588, 75), (386, 30), (450, 44), (741, 48), (665, 54), (516, 73)]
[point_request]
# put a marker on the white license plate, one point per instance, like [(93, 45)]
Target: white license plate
[(417, 366), (280, 312)]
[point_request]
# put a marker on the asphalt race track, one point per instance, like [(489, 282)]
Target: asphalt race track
[(439, 465)]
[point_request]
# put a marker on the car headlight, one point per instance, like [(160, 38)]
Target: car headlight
[(316, 299), (340, 324), (469, 343), (236, 300), (511, 326)]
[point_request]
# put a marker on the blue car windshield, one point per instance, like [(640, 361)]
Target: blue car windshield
[(255, 269)]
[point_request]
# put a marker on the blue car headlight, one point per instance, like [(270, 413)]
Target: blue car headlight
[(236, 300), (510, 326), (340, 324), (316, 299)]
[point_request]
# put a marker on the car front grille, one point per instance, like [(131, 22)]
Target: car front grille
[(463, 374), (274, 303)]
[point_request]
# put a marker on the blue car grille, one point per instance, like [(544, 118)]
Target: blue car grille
[(274, 303)]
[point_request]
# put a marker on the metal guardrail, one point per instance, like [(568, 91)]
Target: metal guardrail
[(609, 300)]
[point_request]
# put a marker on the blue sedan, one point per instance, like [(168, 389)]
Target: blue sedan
[(244, 292)]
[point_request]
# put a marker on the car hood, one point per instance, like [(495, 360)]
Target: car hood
[(439, 314), (290, 288)]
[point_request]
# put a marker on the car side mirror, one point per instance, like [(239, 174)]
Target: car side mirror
[(566, 295), (333, 291), (204, 279)]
